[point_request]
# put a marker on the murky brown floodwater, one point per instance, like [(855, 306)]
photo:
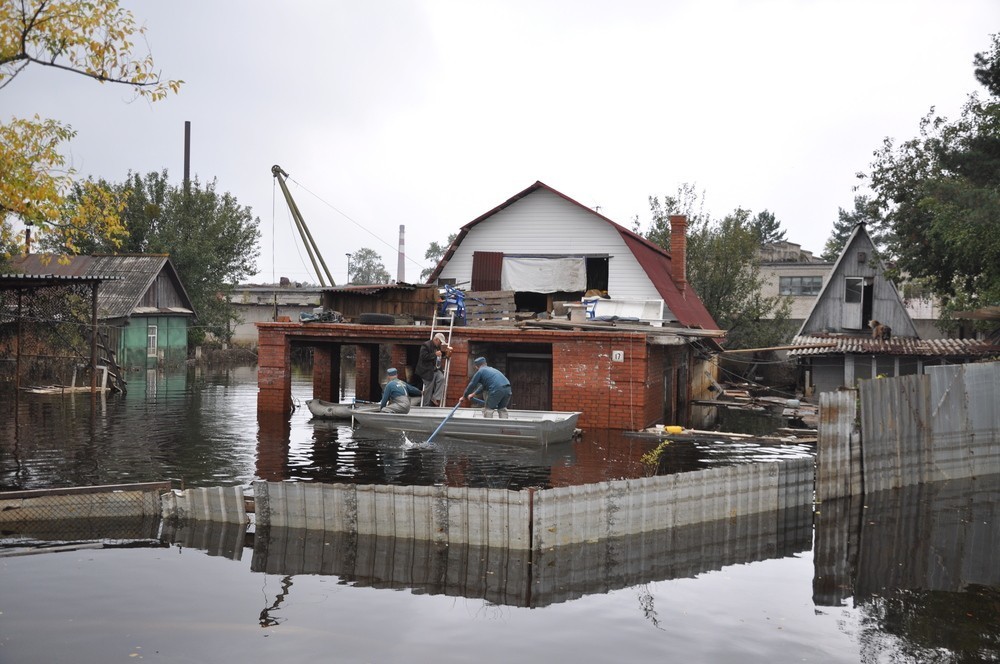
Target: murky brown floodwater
[(909, 576), (201, 428)]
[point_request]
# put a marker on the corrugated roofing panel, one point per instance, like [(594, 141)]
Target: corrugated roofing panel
[(896, 346)]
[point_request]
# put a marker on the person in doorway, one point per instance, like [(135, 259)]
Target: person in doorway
[(430, 368), (396, 394), (496, 386)]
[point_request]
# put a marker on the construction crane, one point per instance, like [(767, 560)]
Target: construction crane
[(300, 223)]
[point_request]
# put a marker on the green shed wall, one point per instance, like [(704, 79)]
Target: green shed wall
[(171, 341)]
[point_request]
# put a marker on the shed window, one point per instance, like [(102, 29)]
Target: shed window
[(151, 341), (854, 289)]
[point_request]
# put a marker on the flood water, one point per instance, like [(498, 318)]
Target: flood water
[(909, 576)]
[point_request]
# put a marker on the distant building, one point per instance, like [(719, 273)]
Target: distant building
[(264, 303), (788, 270)]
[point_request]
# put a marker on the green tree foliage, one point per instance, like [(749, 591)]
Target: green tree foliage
[(724, 269), (95, 39), (767, 228), (434, 254), (939, 197), (367, 268), (865, 212), (210, 237)]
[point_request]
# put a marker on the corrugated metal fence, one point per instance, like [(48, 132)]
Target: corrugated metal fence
[(941, 425), (537, 519)]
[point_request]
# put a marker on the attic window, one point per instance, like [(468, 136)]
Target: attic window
[(862, 257)]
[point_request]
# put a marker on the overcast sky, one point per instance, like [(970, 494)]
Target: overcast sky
[(429, 113)]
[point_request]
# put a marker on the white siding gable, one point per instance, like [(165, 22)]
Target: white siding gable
[(545, 223)]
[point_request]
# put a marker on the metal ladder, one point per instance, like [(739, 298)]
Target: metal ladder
[(438, 324)]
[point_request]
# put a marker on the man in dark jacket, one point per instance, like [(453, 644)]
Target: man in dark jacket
[(429, 367)]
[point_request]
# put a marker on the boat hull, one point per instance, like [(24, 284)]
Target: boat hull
[(522, 426), (335, 411)]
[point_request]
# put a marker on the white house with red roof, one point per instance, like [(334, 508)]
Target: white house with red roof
[(548, 248)]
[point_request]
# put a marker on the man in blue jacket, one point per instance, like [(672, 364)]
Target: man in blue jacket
[(496, 386), (397, 394)]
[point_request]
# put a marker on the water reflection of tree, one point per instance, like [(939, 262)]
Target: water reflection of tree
[(932, 626)]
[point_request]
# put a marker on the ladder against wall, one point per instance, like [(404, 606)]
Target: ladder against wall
[(444, 325)]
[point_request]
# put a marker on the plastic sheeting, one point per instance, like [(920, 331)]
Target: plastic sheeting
[(544, 275)]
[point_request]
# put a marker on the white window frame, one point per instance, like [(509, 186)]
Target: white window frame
[(151, 340)]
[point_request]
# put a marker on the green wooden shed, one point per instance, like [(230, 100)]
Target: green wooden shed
[(143, 308)]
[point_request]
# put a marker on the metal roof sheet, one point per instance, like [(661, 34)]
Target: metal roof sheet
[(117, 297), (865, 345)]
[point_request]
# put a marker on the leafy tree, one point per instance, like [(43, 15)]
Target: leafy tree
[(367, 268), (724, 269), (939, 197), (211, 239), (434, 254), (93, 39), (767, 228), (865, 212), (687, 202)]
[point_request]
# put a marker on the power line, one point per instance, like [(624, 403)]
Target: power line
[(348, 217)]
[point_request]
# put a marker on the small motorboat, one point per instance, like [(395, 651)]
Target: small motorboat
[(337, 411), (538, 427)]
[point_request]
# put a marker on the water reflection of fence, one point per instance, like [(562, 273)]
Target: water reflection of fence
[(937, 426), (516, 577), (537, 519), (939, 536)]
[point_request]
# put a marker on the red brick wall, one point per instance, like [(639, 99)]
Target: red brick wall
[(366, 377), (326, 372), (611, 394), (274, 374), (397, 358)]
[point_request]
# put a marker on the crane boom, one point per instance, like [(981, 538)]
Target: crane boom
[(300, 223)]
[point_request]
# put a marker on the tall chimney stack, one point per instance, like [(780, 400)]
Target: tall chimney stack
[(678, 250), (187, 154), (401, 260)]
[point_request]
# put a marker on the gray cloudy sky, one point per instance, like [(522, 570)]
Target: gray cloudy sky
[(428, 113)]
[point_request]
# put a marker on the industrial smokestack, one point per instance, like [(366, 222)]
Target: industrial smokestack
[(401, 261), (187, 153)]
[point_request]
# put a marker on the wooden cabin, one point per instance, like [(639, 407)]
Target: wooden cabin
[(143, 308), (838, 344)]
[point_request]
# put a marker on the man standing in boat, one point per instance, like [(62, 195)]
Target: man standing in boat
[(396, 395), (429, 367), (496, 386)]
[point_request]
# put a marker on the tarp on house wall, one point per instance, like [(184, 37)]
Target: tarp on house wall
[(544, 275)]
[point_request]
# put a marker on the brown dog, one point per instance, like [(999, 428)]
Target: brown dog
[(880, 331)]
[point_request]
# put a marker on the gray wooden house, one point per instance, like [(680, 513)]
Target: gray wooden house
[(836, 344)]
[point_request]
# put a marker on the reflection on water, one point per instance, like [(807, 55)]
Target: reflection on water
[(920, 564), (905, 576), (201, 428)]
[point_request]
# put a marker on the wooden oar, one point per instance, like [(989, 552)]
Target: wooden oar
[(445, 420)]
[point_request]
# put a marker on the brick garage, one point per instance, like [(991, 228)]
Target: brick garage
[(618, 379)]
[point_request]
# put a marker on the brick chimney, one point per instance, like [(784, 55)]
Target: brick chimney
[(678, 250)]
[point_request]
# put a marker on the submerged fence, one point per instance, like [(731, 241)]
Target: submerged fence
[(944, 424), (537, 519)]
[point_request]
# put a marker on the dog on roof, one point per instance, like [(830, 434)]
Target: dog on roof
[(880, 331)]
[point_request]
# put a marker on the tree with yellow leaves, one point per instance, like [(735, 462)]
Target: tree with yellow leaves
[(92, 39)]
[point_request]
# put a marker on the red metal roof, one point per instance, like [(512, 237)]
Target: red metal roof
[(654, 260)]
